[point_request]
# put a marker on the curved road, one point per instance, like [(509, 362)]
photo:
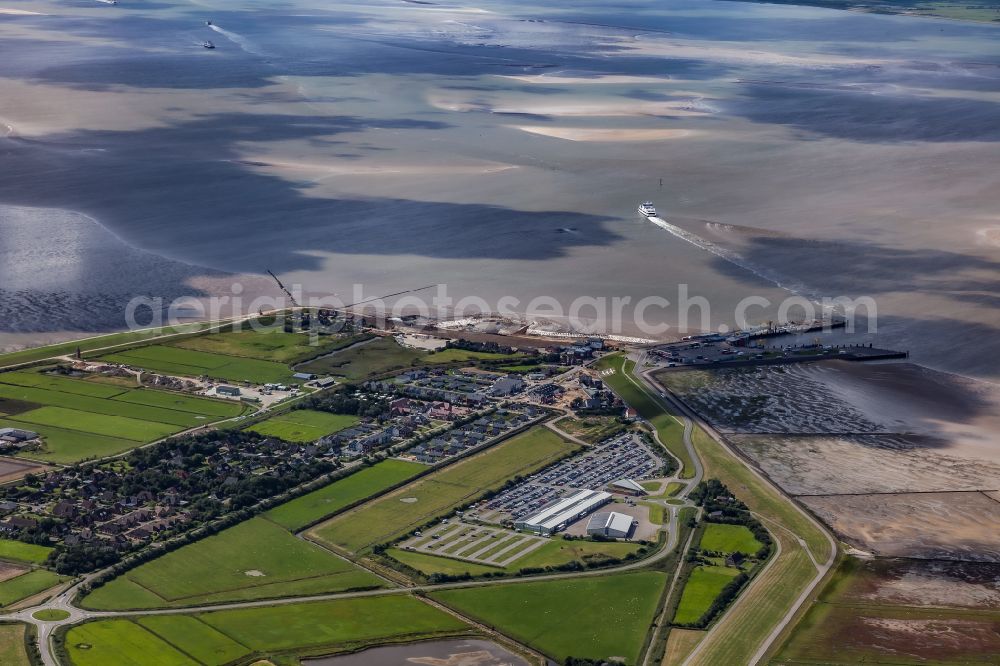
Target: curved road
[(64, 600)]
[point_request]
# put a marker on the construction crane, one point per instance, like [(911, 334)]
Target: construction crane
[(282, 287)]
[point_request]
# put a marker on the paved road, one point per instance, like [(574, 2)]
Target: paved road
[(822, 569), (64, 600)]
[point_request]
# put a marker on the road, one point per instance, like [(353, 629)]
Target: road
[(822, 569), (689, 420)]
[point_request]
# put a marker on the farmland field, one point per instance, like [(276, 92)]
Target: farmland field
[(304, 425), (98, 424), (110, 406), (221, 636), (120, 642), (390, 517), (68, 446), (79, 419), (26, 585), (199, 640), (326, 501), (452, 355), (182, 403), (595, 618), (364, 359), (255, 559), (23, 552), (191, 363), (729, 539), (12, 651), (268, 345), (701, 589)]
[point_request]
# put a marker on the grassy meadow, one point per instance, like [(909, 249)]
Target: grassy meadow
[(595, 617), (12, 651), (328, 500), (18, 551), (191, 363), (27, 585), (304, 425), (702, 587), (81, 419), (255, 559), (729, 539), (365, 359), (217, 637)]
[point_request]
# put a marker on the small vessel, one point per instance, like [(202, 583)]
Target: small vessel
[(647, 209), (208, 23), (208, 45)]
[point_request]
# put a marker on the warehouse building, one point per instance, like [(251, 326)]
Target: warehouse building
[(557, 515), (610, 524)]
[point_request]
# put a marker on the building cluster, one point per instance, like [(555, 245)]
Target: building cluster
[(16, 439), (122, 506), (481, 432), (461, 387), (577, 353), (559, 514), (549, 500)]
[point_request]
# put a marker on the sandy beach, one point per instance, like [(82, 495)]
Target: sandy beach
[(598, 134)]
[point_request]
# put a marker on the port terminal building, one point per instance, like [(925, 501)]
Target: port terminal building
[(560, 513), (610, 524)]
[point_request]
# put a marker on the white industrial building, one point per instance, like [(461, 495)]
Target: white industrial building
[(610, 524), (629, 486), (557, 515)]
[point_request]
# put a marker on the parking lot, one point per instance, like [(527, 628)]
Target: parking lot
[(624, 457)]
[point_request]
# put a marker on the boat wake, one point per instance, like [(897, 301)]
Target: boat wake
[(238, 39), (733, 257)]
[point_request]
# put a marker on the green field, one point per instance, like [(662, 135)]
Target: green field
[(96, 342), (27, 585), (669, 429), (191, 363), (457, 355), (389, 518), (120, 643), (592, 429), (596, 617), (702, 587), (729, 539), (328, 500), (365, 359), (202, 642), (12, 649), (304, 425), (19, 551), (269, 344), (255, 559), (221, 636), (207, 407), (123, 427), (81, 419)]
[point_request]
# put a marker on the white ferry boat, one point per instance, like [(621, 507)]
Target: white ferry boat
[(647, 209)]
